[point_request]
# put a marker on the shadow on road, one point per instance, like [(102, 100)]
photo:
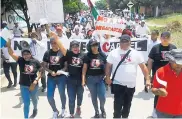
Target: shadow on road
[(19, 104), (5, 89), (143, 95)]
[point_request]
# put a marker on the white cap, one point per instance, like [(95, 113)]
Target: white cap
[(143, 21), (5, 22)]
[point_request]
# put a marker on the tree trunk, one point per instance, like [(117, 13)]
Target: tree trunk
[(27, 20)]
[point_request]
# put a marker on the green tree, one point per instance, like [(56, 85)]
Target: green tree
[(73, 6), (13, 5), (101, 5)]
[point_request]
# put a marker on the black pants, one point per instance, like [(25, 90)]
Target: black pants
[(43, 80), (122, 101), (6, 67)]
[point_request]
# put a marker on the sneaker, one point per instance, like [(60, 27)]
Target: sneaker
[(63, 113), (72, 116), (103, 114), (34, 113), (15, 85), (96, 115), (9, 85), (43, 89), (55, 115), (78, 111)]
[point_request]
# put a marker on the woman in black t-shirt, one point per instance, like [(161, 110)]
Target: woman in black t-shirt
[(54, 63), (28, 78), (75, 63), (93, 75)]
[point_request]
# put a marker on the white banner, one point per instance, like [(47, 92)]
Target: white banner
[(111, 26), (52, 10), (139, 44)]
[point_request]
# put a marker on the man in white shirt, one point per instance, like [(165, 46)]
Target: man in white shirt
[(78, 26), (128, 22), (38, 48), (17, 31), (77, 35), (124, 82), (142, 29)]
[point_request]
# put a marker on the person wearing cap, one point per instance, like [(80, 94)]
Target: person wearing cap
[(37, 48), (74, 84), (54, 63), (128, 21), (124, 82), (28, 79), (4, 24), (78, 26), (93, 76), (17, 31), (77, 34), (156, 58), (127, 31), (167, 84), (142, 29)]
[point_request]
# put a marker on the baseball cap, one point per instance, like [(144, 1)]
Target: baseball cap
[(143, 21), (4, 22), (125, 37), (93, 42), (174, 55), (25, 50), (166, 34), (74, 42)]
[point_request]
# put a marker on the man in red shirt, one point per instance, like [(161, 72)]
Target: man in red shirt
[(167, 85)]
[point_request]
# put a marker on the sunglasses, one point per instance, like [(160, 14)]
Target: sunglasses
[(75, 46), (95, 45)]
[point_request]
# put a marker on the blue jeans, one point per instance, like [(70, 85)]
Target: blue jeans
[(60, 81), (75, 89), (97, 88), (26, 94), (163, 115)]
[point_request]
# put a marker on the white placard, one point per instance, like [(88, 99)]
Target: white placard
[(52, 10)]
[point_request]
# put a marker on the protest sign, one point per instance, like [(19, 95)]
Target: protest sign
[(111, 26), (52, 10), (139, 44)]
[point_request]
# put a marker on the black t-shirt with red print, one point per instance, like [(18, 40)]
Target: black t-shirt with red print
[(55, 60), (157, 55), (96, 63), (28, 71), (75, 63)]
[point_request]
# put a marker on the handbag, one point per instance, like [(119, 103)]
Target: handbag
[(113, 88)]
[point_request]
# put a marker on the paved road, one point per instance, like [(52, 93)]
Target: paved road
[(12, 107)]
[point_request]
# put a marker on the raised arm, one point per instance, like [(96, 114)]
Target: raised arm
[(59, 43), (11, 52)]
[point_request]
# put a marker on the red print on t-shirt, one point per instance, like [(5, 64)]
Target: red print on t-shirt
[(95, 63), (28, 69), (76, 61), (127, 59), (54, 59)]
